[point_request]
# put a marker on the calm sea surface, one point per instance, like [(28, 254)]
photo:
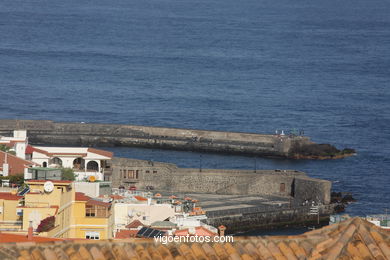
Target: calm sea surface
[(251, 66)]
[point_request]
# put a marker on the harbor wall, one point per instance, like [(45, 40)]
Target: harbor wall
[(56, 133), (169, 177), (240, 220)]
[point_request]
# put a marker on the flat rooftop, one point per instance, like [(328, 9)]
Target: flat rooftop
[(218, 202)]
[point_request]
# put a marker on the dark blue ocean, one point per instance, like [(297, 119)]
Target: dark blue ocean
[(250, 66)]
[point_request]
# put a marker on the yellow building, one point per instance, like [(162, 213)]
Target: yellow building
[(76, 215), (10, 216), (88, 218), (45, 199)]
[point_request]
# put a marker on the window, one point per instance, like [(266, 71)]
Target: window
[(96, 211), (19, 212), (92, 235), (282, 187), (131, 174), (154, 171), (90, 211)]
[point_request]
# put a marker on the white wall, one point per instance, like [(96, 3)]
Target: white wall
[(27, 175), (154, 212), (81, 175), (20, 150), (20, 134), (90, 189)]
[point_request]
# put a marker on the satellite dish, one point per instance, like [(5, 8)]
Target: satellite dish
[(48, 186)]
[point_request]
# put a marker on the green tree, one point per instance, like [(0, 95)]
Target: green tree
[(68, 174), (17, 179), (6, 149)]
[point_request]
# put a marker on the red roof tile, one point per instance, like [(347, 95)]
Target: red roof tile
[(29, 149), (199, 231), (135, 224), (101, 152), (80, 196), (9, 196), (98, 203), (140, 198), (16, 164), (53, 181), (116, 197), (352, 239), (123, 234), (7, 238)]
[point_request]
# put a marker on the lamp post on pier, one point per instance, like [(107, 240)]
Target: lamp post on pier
[(255, 165)]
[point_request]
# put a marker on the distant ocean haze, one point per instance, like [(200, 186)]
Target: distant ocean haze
[(250, 66)]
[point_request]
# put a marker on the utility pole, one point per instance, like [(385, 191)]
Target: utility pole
[(255, 166)]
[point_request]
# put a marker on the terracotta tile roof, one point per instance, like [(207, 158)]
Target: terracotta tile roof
[(98, 203), (140, 198), (117, 197), (135, 224), (53, 181), (29, 149), (80, 196), (352, 239), (101, 152), (9, 196), (8, 238), (123, 234), (16, 164), (198, 231)]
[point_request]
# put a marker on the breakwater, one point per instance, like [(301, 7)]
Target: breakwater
[(59, 133), (242, 220)]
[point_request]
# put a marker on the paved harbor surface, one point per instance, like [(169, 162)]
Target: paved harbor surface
[(212, 202), (216, 202)]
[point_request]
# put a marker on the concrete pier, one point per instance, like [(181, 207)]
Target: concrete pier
[(56, 133)]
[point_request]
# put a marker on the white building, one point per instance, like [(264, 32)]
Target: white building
[(147, 213), (17, 143), (84, 161), (93, 189)]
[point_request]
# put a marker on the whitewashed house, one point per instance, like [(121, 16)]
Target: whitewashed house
[(84, 161), (17, 143)]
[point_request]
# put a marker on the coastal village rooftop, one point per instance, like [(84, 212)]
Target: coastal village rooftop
[(351, 239)]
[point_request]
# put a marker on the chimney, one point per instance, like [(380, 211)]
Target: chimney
[(30, 231), (221, 229), (5, 165)]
